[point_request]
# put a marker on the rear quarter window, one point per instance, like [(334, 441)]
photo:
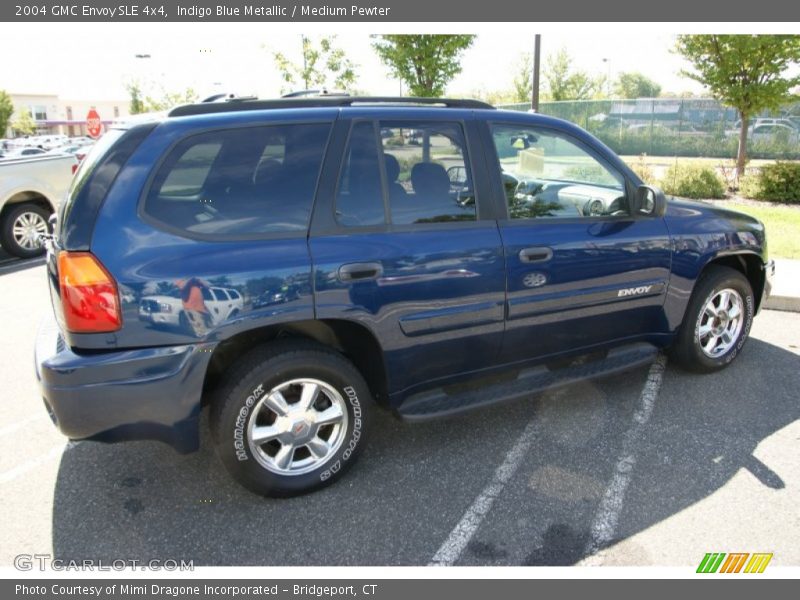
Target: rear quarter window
[(239, 182)]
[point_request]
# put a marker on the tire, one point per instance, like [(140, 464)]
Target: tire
[(247, 404), (694, 349), (25, 214)]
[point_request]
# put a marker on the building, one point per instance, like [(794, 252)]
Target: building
[(54, 115)]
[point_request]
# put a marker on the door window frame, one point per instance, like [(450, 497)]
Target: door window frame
[(323, 220), (501, 204)]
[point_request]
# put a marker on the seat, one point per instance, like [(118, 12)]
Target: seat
[(392, 173)]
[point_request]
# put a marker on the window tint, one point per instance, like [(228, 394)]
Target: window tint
[(243, 181), (548, 175), (234, 294), (427, 172), (206, 294), (359, 195), (219, 294)]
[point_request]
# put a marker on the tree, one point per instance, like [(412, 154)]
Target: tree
[(564, 83), (24, 124), (324, 66), (150, 98), (136, 106), (636, 85), (523, 80), (747, 72), (425, 63), (6, 110)]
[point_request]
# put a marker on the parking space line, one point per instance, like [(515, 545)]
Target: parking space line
[(462, 533), (19, 470), (9, 429), (604, 525)]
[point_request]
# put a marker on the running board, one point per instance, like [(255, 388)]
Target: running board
[(438, 402)]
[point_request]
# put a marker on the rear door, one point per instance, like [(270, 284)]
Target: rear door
[(401, 243), (581, 270)]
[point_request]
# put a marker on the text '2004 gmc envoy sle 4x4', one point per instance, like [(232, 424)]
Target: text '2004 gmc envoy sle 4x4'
[(296, 263)]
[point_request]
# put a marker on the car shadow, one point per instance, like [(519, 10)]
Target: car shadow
[(11, 264), (412, 485)]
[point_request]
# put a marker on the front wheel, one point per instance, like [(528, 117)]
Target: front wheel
[(291, 419), (717, 321)]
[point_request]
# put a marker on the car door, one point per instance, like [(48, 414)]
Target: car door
[(581, 270), (403, 248)]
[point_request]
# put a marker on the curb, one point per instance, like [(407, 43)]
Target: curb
[(785, 303)]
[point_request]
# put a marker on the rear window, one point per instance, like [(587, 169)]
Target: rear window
[(239, 182), (91, 183)]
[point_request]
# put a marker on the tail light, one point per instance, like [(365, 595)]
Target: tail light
[(74, 168), (88, 294)]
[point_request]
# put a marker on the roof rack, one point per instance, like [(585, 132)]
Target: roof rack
[(241, 104)]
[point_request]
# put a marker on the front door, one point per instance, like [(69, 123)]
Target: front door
[(581, 270)]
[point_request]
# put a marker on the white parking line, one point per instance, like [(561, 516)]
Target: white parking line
[(8, 429), (605, 521), (19, 470), (462, 533)]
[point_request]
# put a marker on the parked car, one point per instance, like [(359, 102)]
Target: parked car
[(399, 293), (23, 153), (220, 304), (31, 188)]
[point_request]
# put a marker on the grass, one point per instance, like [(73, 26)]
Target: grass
[(782, 223), (703, 162)]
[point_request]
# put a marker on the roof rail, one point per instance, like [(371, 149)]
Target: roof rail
[(241, 104)]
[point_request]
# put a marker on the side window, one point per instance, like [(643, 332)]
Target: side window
[(244, 181), (219, 295), (234, 294), (206, 294), (427, 172), (546, 174), (359, 195)]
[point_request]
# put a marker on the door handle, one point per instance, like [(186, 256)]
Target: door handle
[(360, 271), (532, 255)]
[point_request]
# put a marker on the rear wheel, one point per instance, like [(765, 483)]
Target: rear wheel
[(291, 419), (21, 228), (717, 321)]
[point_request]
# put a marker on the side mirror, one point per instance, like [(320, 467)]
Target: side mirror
[(649, 202)]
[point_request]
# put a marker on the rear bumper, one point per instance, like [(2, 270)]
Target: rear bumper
[(147, 393)]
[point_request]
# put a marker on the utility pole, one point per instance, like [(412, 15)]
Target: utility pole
[(537, 48)]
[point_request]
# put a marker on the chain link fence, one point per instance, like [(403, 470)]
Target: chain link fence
[(679, 127)]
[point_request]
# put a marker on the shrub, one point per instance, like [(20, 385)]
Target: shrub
[(692, 181), (643, 170), (778, 182)]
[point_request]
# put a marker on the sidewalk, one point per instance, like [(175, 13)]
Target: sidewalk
[(786, 286)]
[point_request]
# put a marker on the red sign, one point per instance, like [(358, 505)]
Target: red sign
[(94, 126)]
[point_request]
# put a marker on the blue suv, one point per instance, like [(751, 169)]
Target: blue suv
[(294, 263)]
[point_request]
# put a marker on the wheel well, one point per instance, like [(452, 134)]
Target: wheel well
[(748, 265), (352, 340), (29, 197)]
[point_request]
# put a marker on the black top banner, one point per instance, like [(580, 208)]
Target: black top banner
[(389, 11)]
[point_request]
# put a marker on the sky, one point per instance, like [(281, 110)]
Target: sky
[(94, 60)]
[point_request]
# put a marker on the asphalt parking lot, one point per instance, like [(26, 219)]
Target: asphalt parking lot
[(649, 468)]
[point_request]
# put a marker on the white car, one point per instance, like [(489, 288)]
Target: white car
[(167, 309), (31, 188)]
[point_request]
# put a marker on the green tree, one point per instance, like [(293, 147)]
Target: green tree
[(136, 106), (750, 73), (324, 66), (523, 80), (566, 83), (425, 63), (6, 110), (146, 98), (636, 85), (24, 124)]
